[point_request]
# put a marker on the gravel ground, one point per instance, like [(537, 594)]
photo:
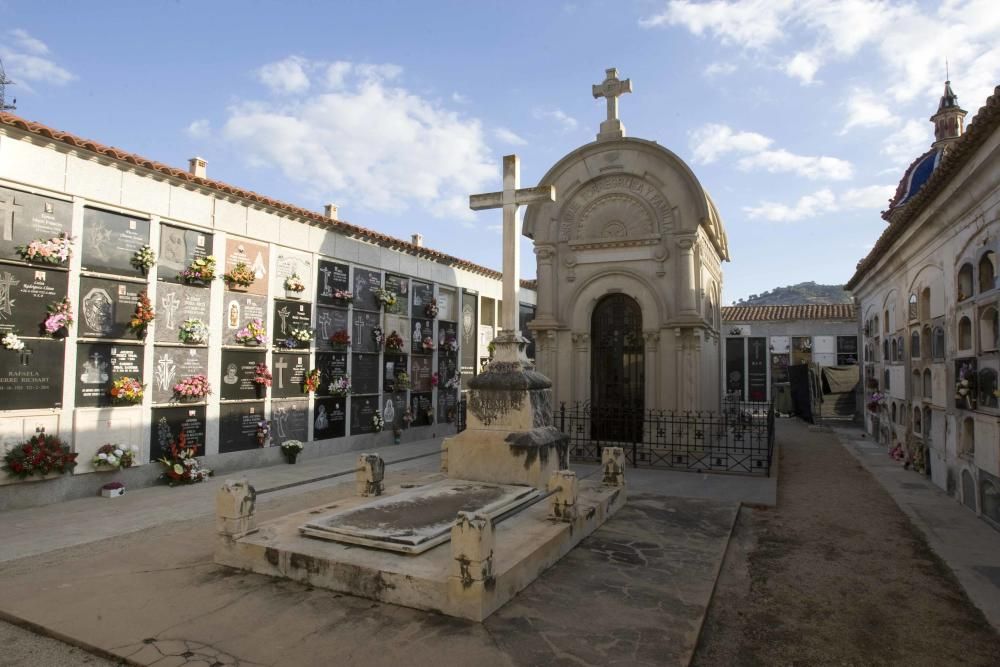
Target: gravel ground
[(837, 574), (19, 647)]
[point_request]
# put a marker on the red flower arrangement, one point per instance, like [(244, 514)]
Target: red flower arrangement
[(41, 455), (340, 338), (182, 467), (262, 375), (394, 342), (311, 382), (143, 315)]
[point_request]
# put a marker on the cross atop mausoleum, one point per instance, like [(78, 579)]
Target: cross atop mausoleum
[(611, 89)]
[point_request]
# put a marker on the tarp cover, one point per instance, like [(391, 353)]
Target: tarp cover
[(841, 379)]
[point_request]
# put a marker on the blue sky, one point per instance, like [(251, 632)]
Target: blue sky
[(797, 117)]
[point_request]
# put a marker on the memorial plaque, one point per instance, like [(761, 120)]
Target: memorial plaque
[(288, 371), (110, 240), (363, 327), (331, 365), (447, 304), (106, 307), (400, 286), (422, 407), (447, 406), (253, 254), (25, 295), (421, 331), (238, 426), (290, 262), (420, 373), (173, 364), (32, 377), (176, 303), (447, 331), (392, 366), (169, 423), (757, 368), (289, 421), (447, 367), (178, 248), (240, 309), (289, 315), (332, 276), (328, 321), (422, 295), (779, 368), (26, 217), (363, 409), (469, 326), (238, 370), (330, 420), (365, 373), (100, 364), (365, 284)]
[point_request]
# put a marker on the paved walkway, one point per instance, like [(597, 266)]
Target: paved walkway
[(969, 546)]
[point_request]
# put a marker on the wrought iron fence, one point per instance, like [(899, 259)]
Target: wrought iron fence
[(739, 439)]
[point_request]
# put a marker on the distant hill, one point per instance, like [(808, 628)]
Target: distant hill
[(793, 295)]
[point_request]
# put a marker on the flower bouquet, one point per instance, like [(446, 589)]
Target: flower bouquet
[(194, 386), (431, 308), (340, 340), (294, 286), (343, 295), (378, 336), (311, 383), (240, 275), (875, 401), (144, 258), (113, 490), (126, 391), (341, 386), (12, 342), (41, 455), (200, 271), (262, 375), (193, 332), (113, 457), (435, 379), (965, 387), (450, 344), (377, 422), (57, 250), (385, 297), (59, 318), (253, 333), (263, 432), (454, 382), (402, 382), (428, 344), (394, 343), (181, 465), (291, 449), (298, 336), (143, 315)]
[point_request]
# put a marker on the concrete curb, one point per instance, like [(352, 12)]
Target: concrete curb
[(30, 626)]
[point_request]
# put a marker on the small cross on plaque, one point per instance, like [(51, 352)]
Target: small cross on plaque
[(8, 211), (611, 89)]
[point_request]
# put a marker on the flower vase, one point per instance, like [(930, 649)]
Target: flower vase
[(291, 456), (261, 390), (233, 287), (262, 441), (291, 294), (396, 439)]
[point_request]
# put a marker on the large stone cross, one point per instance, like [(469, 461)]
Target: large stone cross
[(509, 199), (611, 89)]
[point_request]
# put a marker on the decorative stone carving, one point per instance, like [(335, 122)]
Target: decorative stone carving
[(616, 206)]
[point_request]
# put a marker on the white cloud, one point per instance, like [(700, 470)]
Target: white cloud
[(199, 129), (559, 116), (905, 144), (459, 98), (865, 109), (823, 202), (802, 66), (370, 144), (748, 23), (25, 61), (285, 76), (29, 44), (719, 69), (875, 197), (508, 137), (711, 141), (336, 72)]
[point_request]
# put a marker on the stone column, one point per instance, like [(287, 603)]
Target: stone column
[(235, 506), (652, 368), (369, 475), (546, 283), (581, 358), (686, 278), (562, 503)]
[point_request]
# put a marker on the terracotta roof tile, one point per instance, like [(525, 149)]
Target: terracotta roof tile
[(811, 311), (340, 226)]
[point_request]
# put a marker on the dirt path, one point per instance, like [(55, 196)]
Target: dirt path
[(836, 574)]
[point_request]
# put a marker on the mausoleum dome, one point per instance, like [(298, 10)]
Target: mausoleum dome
[(915, 176)]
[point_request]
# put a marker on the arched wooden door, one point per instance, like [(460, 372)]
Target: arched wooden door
[(617, 382)]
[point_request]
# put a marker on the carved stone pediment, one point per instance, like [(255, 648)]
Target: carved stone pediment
[(615, 209)]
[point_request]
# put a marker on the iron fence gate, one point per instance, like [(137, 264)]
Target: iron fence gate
[(739, 439)]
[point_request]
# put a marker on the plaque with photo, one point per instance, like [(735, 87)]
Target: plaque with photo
[(25, 295), (289, 421), (329, 321), (240, 309), (100, 364), (447, 406), (26, 217), (331, 365), (238, 426), (393, 409), (290, 315), (33, 376), (365, 284), (106, 307), (365, 373), (178, 248), (253, 254), (173, 364), (169, 423), (400, 286), (290, 263), (447, 302), (447, 368), (363, 328), (110, 241), (422, 332), (447, 332), (332, 276), (420, 373), (174, 305), (363, 409), (288, 372), (422, 407), (468, 328), (392, 366), (330, 418), (422, 295), (238, 370)]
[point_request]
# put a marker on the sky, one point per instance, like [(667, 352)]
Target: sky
[(798, 118)]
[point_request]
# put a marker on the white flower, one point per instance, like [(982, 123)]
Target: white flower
[(119, 453), (135, 449), (102, 456), (112, 461)]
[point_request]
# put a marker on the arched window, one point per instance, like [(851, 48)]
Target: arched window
[(967, 443), (925, 343), (928, 388), (885, 378), (901, 343), (885, 322), (937, 345), (986, 386), (988, 329), (895, 351), (925, 303), (915, 384), (911, 310), (927, 423), (965, 333), (875, 328), (987, 271), (892, 412), (916, 420), (915, 344), (885, 351), (965, 282), (968, 490)]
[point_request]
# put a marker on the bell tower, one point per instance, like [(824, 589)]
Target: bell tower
[(949, 121)]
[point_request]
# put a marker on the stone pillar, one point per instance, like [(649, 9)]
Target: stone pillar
[(369, 475), (581, 364), (613, 465), (235, 505), (562, 503), (686, 278), (652, 369), (472, 541), (545, 252)]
